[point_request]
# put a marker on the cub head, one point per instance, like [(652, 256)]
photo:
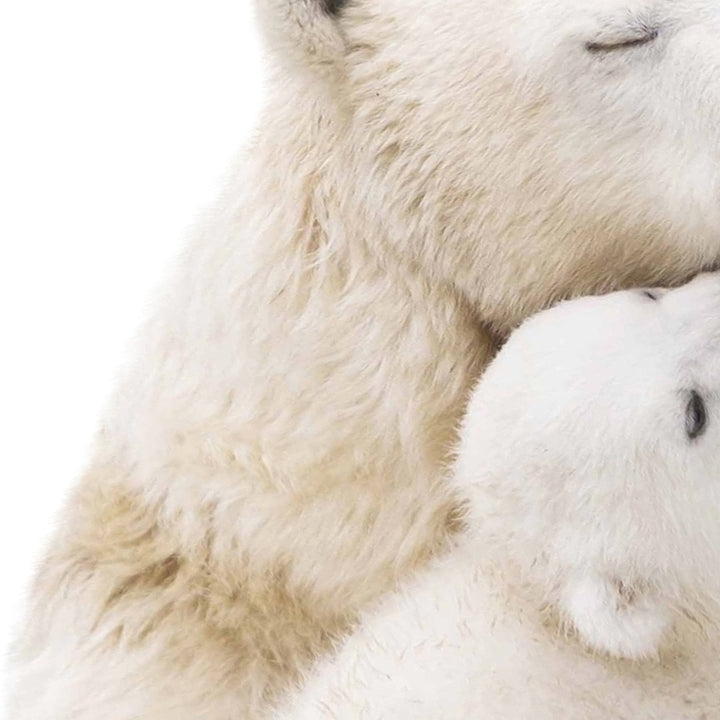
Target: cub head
[(524, 150), (591, 457)]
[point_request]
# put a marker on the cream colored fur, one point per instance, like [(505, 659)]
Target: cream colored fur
[(590, 475), (424, 177)]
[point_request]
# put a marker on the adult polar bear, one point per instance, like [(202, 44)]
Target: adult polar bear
[(590, 463), (425, 176)]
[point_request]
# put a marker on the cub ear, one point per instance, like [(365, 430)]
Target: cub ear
[(305, 33), (617, 618)]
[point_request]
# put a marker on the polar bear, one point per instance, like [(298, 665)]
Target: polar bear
[(587, 583), (424, 177)]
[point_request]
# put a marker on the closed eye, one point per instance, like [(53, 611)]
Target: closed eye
[(622, 43)]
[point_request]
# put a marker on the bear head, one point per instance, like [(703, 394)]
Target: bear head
[(591, 459), (551, 147)]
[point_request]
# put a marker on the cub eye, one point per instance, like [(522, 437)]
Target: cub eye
[(650, 294), (695, 416), (623, 43)]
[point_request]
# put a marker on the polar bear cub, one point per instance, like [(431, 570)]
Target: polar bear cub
[(585, 583)]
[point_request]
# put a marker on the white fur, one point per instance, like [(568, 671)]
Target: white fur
[(588, 506), (425, 176)]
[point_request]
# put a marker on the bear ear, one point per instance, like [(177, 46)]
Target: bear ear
[(304, 33), (617, 618)]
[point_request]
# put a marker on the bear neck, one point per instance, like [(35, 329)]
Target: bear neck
[(291, 371)]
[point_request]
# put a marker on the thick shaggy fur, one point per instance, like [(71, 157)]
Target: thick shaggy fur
[(587, 584), (424, 177)]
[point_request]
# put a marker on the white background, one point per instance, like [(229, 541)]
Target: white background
[(117, 124)]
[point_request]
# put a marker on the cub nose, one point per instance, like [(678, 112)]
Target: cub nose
[(704, 283), (705, 279), (697, 302)]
